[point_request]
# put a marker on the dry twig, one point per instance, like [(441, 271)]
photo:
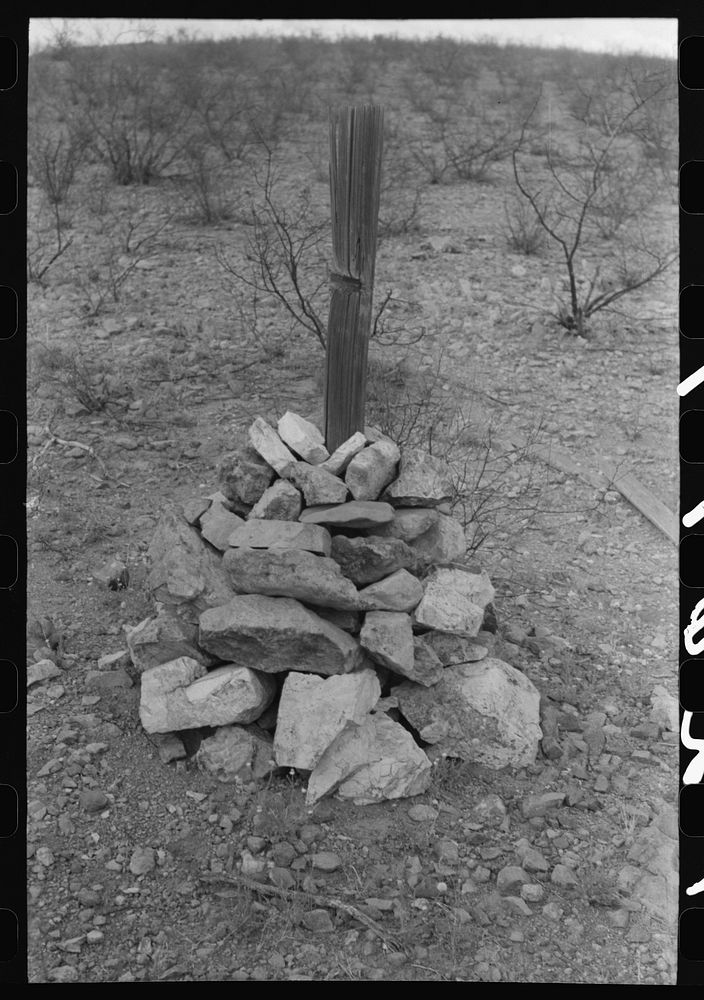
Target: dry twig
[(292, 894)]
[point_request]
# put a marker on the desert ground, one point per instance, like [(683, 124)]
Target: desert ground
[(524, 331)]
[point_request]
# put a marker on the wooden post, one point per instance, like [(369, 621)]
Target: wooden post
[(355, 181)]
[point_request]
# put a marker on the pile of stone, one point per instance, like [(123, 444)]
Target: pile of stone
[(315, 614)]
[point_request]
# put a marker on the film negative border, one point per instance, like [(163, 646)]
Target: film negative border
[(13, 185), (691, 393)]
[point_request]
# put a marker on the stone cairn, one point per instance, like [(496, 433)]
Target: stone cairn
[(315, 613)]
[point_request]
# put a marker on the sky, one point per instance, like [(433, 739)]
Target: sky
[(653, 36)]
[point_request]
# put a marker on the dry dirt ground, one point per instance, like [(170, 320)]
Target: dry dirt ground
[(138, 881)]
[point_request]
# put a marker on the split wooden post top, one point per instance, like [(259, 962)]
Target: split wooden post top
[(356, 145)]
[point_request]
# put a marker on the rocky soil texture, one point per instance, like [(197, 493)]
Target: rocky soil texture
[(181, 511)]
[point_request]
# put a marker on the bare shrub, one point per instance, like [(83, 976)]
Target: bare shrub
[(52, 161), (400, 200), (86, 380), (129, 235), (208, 192), (286, 262), (522, 230), (474, 139), (497, 490), (128, 100), (634, 100), (286, 253), (574, 194)]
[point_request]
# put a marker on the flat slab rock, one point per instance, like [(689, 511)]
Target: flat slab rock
[(423, 481), (371, 762), (314, 710), (486, 712), (303, 438), (355, 514), (290, 573), (276, 634), (266, 534), (370, 558), (183, 572), (182, 695), (454, 600)]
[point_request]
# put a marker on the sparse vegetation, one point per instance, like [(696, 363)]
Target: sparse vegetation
[(594, 183), (179, 231)]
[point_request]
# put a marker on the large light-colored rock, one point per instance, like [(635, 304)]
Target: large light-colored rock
[(303, 437), (444, 541), (244, 475), (355, 514), (343, 455), (366, 560), (237, 753), (314, 710), (388, 638), (400, 591), (371, 762), (290, 573), (217, 524), (181, 695), (487, 712), (261, 534), (423, 481), (454, 600), (280, 502), (273, 634), (161, 638), (317, 485), (269, 445), (372, 469), (183, 572)]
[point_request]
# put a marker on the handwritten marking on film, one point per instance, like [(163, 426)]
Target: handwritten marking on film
[(695, 769), (691, 382), (695, 625), (693, 516), (692, 890)]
